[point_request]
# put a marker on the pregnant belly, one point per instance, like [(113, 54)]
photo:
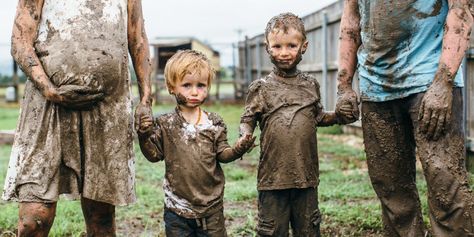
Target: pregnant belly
[(97, 72)]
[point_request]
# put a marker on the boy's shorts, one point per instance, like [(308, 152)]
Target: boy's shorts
[(210, 226), (278, 208)]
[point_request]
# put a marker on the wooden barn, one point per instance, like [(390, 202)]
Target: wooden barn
[(165, 47), (320, 60)]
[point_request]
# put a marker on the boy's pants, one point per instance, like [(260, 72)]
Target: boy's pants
[(391, 137), (278, 208), (210, 226)]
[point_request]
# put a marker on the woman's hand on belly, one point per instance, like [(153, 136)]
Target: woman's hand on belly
[(75, 96)]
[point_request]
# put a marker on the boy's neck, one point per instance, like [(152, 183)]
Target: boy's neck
[(190, 114), (286, 73)]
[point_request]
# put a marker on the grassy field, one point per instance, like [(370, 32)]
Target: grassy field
[(347, 201)]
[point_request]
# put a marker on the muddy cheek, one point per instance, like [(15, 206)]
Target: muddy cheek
[(180, 99)]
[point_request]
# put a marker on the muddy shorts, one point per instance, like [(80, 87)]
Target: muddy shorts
[(278, 208), (392, 143), (210, 226)]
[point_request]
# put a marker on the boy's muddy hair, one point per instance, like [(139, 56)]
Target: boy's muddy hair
[(285, 21), (187, 62)]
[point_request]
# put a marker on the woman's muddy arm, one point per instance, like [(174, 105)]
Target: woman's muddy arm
[(139, 50), (436, 106), (25, 30), (349, 42)]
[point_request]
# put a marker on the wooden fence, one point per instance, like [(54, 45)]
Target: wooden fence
[(320, 60)]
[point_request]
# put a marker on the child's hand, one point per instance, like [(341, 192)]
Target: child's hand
[(345, 114), (244, 144), (145, 126)]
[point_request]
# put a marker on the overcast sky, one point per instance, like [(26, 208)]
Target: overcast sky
[(214, 21)]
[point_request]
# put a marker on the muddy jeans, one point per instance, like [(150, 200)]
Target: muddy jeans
[(391, 138), (211, 226), (278, 208)]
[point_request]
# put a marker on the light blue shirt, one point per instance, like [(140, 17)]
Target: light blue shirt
[(401, 47)]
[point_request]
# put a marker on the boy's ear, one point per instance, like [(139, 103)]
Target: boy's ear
[(266, 46), (304, 47)]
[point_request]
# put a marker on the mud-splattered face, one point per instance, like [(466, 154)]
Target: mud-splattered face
[(286, 49), (192, 90)]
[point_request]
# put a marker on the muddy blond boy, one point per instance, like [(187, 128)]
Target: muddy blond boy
[(193, 143), (286, 105)]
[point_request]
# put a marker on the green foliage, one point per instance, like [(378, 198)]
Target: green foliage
[(334, 130), (8, 118)]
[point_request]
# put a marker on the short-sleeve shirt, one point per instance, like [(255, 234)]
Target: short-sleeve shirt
[(401, 47), (287, 111), (194, 180)]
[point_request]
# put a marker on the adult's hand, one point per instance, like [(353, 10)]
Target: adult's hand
[(143, 110), (347, 106), (435, 109), (75, 96)]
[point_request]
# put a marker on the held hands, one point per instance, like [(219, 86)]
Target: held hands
[(143, 120), (435, 109), (244, 144), (75, 96), (347, 109)]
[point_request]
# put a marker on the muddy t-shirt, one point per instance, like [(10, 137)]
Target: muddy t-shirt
[(194, 180), (401, 47), (287, 111)]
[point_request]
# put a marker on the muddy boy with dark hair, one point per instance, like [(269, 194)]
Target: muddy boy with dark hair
[(286, 105), (74, 134), (193, 143)]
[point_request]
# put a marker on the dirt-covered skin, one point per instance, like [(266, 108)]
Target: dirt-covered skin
[(74, 134), (428, 122)]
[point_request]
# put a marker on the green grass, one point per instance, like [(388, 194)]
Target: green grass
[(347, 200)]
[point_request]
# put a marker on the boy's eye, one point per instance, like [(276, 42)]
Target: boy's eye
[(186, 85), (276, 46), (293, 46), (202, 85)]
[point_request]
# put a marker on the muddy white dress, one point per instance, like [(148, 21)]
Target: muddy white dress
[(86, 153)]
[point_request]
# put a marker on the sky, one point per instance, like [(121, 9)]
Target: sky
[(216, 22)]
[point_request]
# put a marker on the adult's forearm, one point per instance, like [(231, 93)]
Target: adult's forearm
[(25, 30), (456, 37), (139, 50), (349, 42)]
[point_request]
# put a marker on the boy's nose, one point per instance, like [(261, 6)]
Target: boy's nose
[(194, 90)]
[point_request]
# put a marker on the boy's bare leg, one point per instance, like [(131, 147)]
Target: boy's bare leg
[(35, 219), (99, 217)]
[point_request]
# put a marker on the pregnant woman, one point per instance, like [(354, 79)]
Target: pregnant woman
[(74, 135)]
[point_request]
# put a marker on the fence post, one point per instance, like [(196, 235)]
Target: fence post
[(324, 64), (248, 69)]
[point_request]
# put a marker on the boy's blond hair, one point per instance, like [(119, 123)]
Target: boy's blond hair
[(187, 62), (285, 21)]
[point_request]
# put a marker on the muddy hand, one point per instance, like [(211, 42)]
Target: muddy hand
[(435, 110), (244, 144), (347, 106), (146, 126), (142, 110), (76, 96)]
